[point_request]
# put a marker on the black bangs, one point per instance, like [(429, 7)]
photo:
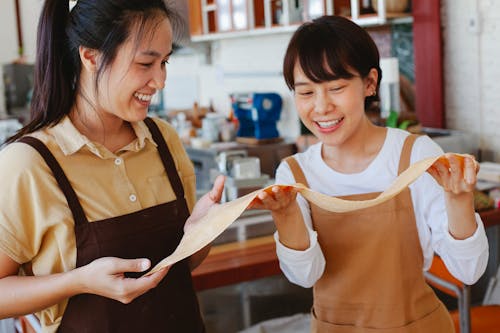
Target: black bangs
[(330, 48), (322, 57)]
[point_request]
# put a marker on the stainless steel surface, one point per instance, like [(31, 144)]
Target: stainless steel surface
[(251, 224), (204, 160)]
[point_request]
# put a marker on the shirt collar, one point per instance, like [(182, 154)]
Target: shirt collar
[(70, 140), (142, 132)]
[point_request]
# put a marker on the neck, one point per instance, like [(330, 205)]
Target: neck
[(99, 126)]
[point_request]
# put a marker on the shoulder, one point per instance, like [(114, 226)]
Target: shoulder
[(17, 158), (167, 130), (423, 147), (22, 171)]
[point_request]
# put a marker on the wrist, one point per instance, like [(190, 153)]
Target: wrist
[(76, 281), (286, 212), (464, 199)]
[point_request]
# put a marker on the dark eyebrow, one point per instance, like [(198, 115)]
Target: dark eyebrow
[(155, 54), (301, 84)]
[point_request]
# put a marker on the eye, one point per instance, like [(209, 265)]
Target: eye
[(336, 89), (303, 92), (146, 65)]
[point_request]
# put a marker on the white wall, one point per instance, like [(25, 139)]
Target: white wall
[(471, 51), (250, 64)]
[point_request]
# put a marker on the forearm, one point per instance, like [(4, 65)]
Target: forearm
[(291, 228), (303, 268), (460, 209), (27, 294)]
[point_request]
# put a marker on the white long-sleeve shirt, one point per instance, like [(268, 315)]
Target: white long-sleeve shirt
[(465, 259)]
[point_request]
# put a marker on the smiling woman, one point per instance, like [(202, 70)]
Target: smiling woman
[(81, 217), (332, 67)]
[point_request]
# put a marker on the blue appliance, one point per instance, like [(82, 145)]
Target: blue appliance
[(257, 114)]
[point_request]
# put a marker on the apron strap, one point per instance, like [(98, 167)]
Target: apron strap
[(166, 158), (404, 160), (60, 176), (296, 170)]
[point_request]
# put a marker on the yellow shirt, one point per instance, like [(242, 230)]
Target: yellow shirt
[(36, 225)]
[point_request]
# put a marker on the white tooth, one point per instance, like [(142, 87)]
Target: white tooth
[(143, 97), (325, 124)]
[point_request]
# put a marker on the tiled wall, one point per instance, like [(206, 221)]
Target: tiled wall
[(472, 70)]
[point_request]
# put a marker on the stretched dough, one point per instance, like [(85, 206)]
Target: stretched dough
[(219, 217)]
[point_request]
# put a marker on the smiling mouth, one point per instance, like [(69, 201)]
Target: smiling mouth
[(329, 124), (143, 97)]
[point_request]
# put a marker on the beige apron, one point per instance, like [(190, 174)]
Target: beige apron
[(373, 280)]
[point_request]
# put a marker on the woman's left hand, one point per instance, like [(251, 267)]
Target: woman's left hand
[(208, 200), (455, 173)]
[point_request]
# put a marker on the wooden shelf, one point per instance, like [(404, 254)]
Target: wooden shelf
[(261, 19), (363, 21)]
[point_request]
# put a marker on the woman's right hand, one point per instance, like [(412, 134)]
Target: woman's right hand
[(281, 201), (278, 199), (106, 277)]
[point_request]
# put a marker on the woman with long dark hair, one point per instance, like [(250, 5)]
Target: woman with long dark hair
[(95, 193)]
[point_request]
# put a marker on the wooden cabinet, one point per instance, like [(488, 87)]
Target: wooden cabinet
[(217, 19)]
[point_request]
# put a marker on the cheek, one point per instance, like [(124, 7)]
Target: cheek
[(302, 105), (302, 110)]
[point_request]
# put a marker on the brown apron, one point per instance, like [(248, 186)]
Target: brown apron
[(373, 279), (151, 233)]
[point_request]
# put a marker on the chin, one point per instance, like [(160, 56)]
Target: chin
[(136, 116)]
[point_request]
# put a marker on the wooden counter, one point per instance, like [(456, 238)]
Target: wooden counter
[(490, 217), (237, 262), (256, 258)]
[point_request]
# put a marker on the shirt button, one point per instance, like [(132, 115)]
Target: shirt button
[(118, 161), (132, 198)]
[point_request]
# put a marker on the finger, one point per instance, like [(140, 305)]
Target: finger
[(284, 194), (434, 173), (442, 168), (217, 189), (255, 204), (264, 197), (130, 265), (455, 169), (156, 277), (267, 199), (149, 281), (470, 167)]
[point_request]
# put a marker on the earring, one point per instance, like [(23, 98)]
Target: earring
[(374, 93)]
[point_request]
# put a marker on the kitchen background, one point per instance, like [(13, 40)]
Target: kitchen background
[(207, 72)]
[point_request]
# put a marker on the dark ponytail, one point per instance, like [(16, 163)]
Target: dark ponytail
[(103, 25), (53, 85)]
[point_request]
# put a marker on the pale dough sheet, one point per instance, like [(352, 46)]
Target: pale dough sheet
[(219, 217)]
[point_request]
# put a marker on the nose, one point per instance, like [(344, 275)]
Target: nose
[(322, 104), (159, 78)]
